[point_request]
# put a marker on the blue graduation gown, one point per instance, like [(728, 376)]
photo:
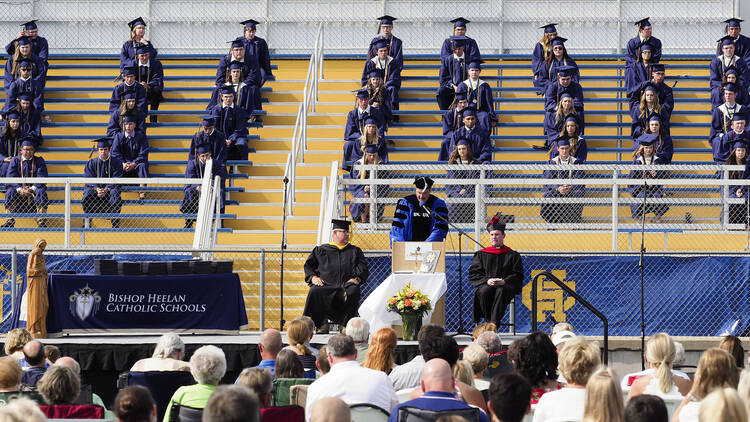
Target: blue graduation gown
[(392, 77), (38, 71), (631, 53), (118, 91), (31, 122), (635, 76), (395, 48), (452, 120), (408, 209), (479, 139), (384, 102), (353, 152), (548, 72), (258, 47), (537, 58), (358, 191), (554, 91), (127, 52), (717, 97), (552, 128), (232, 121), (243, 97), (562, 213), (95, 167), (471, 50), (639, 124), (195, 170), (721, 119), (153, 75), (218, 143), (38, 169), (251, 70), (452, 71), (480, 98), (741, 48), (9, 147), (663, 91), (133, 150), (114, 127), (39, 46), (20, 86), (717, 69), (651, 191), (723, 144), (580, 152), (355, 123), (664, 147)]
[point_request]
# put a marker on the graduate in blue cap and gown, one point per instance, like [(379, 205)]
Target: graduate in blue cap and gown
[(725, 60), (395, 46), (479, 96), (258, 47), (243, 94), (461, 212), (738, 213), (554, 121), (353, 150), (549, 67), (129, 107), (572, 133), (639, 71), (633, 49), (459, 29), (103, 198), (25, 84), (722, 145), (40, 47), (452, 118), (648, 107), (453, 71), (741, 42), (479, 139), (420, 217), (208, 134), (663, 91), (355, 119), (542, 50), (731, 76), (391, 71), (31, 118), (380, 96), (10, 140), (231, 120), (137, 31), (129, 84), (646, 156), (663, 144), (24, 51), (131, 148), (250, 68), (196, 169), (361, 212), (563, 84), (150, 75), (556, 213), (721, 116), (23, 197)]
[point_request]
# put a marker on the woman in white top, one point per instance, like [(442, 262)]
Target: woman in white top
[(603, 398), (660, 354), (716, 369), (723, 405), (167, 356), (578, 360)]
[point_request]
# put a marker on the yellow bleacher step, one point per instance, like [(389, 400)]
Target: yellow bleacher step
[(272, 224), (265, 238), (274, 196), (261, 209)]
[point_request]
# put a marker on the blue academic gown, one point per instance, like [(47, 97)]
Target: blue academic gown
[(717, 97), (31, 122), (471, 50), (196, 170), (636, 75), (38, 169), (251, 70), (663, 91), (452, 72), (385, 104), (452, 120), (153, 75), (741, 48), (132, 150), (631, 53), (651, 191), (480, 98), (723, 144), (392, 77), (358, 191), (243, 97), (218, 143), (128, 55), (639, 124), (562, 213), (580, 152), (479, 140), (353, 152), (258, 47), (232, 121), (552, 128), (8, 148), (395, 48), (114, 127), (39, 46), (18, 87), (537, 58), (355, 123), (664, 147), (141, 102), (408, 208), (112, 204), (717, 69), (38, 71), (721, 119), (554, 91), (548, 72)]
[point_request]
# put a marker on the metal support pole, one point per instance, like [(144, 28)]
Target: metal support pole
[(725, 196), (479, 209), (67, 214), (13, 275), (373, 202), (262, 290), (615, 208)]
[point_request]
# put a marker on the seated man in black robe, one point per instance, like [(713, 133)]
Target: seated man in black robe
[(334, 272), (497, 274)]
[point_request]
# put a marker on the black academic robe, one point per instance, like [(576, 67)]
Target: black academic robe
[(335, 266), (490, 301)]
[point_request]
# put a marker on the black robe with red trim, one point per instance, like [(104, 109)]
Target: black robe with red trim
[(490, 301)]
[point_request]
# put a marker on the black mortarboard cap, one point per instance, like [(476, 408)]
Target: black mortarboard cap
[(496, 223), (549, 28), (340, 224), (386, 20), (30, 25), (460, 22), (423, 183), (137, 21), (733, 22), (643, 23), (250, 23)]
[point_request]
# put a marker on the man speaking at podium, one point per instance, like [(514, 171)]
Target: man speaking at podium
[(497, 274), (421, 217)]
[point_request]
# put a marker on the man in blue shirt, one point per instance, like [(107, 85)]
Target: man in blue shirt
[(270, 345), (438, 386)]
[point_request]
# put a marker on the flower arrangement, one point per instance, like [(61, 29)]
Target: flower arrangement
[(409, 301)]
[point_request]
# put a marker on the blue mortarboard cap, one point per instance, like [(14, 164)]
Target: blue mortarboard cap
[(647, 139), (460, 22), (733, 22), (423, 182), (475, 64), (25, 96), (559, 41), (458, 40), (381, 43), (549, 28), (208, 119), (730, 87), (129, 69), (371, 148), (646, 46), (571, 118), (24, 63), (562, 142), (128, 95), (370, 121), (654, 117), (250, 23), (129, 118), (227, 89), (142, 49), (237, 42), (29, 140), (11, 114), (658, 67), (565, 95), (386, 20), (235, 65), (726, 40), (566, 70), (461, 95), (375, 73), (739, 144), (137, 21), (462, 141), (23, 41), (203, 148), (732, 70), (738, 116), (468, 111), (30, 25), (362, 93), (643, 23), (103, 142)]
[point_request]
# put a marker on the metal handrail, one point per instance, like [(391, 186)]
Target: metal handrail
[(577, 297)]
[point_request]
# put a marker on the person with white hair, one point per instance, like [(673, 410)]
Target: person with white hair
[(359, 330), (21, 409), (208, 366), (168, 354), (490, 342)]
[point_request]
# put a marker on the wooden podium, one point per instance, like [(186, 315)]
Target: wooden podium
[(400, 262)]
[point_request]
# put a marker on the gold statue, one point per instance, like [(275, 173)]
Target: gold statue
[(36, 291)]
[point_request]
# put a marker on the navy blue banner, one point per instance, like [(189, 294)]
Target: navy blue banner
[(195, 303)]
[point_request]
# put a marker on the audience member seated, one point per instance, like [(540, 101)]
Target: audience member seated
[(723, 144), (648, 107), (33, 352), (51, 354), (578, 145), (31, 118), (235, 79), (555, 122), (391, 69), (258, 47), (167, 356), (86, 396), (535, 358), (557, 213), (361, 212), (15, 339), (716, 369), (452, 118), (128, 84), (330, 409), (297, 334), (10, 140), (22, 409), (103, 198), (232, 122), (150, 75), (548, 68), (603, 398), (542, 51), (259, 381), (661, 382), (355, 150), (646, 408), (25, 84), (311, 325), (479, 96), (350, 382), (39, 45), (380, 97), (215, 139), (462, 212), (478, 138), (250, 69), (578, 361), (24, 51), (639, 71), (459, 30), (355, 119), (490, 340), (733, 345), (646, 156), (128, 53), (381, 355), (633, 49), (481, 328), (731, 76), (452, 71), (509, 396), (723, 404), (60, 387), (727, 59), (322, 362), (663, 91), (207, 365), (477, 358), (664, 145), (25, 198), (135, 404), (127, 107), (10, 378), (131, 148), (359, 330), (462, 372), (408, 375), (564, 84), (289, 372), (196, 168), (269, 345), (232, 403)]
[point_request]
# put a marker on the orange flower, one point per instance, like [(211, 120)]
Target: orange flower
[(408, 302), (424, 301), (410, 293), (393, 300)]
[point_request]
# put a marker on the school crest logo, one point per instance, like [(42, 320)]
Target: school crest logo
[(84, 302), (551, 299)]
